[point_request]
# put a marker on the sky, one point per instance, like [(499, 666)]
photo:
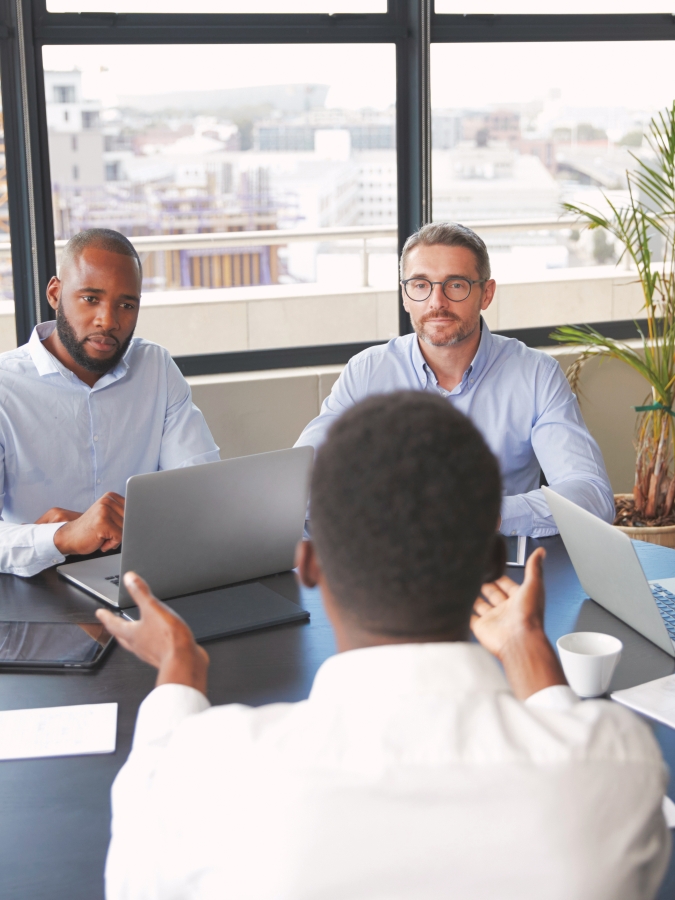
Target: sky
[(158, 69), (636, 75)]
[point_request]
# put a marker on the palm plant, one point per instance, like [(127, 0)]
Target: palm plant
[(647, 221)]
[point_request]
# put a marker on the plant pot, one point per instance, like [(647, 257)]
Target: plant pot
[(663, 534)]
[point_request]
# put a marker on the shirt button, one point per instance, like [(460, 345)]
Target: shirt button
[(471, 380), (514, 533), (95, 437), (98, 481)]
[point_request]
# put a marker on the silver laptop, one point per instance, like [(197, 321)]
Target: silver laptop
[(202, 527), (610, 572)]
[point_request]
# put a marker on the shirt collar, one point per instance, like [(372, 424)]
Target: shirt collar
[(452, 669), (477, 363), (47, 364)]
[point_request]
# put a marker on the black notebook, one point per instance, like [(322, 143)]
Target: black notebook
[(232, 610)]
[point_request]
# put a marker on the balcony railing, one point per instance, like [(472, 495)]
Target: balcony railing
[(254, 239)]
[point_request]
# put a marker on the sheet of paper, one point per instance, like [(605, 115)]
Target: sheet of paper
[(655, 699), (669, 812), (58, 731)]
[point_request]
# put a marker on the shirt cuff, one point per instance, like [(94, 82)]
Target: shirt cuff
[(164, 709), (558, 696), (517, 516), (45, 549)]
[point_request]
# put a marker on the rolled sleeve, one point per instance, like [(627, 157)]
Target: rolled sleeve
[(569, 458), (131, 867), (163, 710), (558, 696)]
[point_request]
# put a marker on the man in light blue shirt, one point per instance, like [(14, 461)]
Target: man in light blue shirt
[(83, 406), (517, 397)]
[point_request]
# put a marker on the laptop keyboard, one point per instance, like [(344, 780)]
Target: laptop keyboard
[(666, 604), (115, 579)]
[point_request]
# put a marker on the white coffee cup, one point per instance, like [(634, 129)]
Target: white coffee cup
[(589, 659)]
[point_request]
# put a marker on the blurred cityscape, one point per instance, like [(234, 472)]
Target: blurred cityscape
[(267, 158)]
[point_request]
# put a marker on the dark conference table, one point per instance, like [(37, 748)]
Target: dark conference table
[(55, 813)]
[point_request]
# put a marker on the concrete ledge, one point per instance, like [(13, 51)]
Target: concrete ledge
[(221, 320), (253, 412)]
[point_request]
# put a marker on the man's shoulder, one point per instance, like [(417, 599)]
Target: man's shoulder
[(15, 360), (16, 365), (515, 352), (147, 354), (396, 352), (149, 349)]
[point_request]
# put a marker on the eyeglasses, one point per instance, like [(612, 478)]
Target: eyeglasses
[(454, 288)]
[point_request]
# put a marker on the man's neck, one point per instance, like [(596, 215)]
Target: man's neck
[(53, 344), (450, 363)]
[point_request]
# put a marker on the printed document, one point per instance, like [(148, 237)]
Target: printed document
[(58, 731), (655, 699)]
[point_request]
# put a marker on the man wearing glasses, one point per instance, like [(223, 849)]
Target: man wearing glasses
[(517, 397)]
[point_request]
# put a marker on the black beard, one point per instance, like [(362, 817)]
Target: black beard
[(76, 349)]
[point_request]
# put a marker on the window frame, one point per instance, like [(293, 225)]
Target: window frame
[(411, 25)]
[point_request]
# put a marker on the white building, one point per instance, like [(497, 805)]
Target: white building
[(75, 137), (377, 187)]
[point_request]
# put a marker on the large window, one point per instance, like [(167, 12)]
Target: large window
[(184, 148), (562, 123), (268, 158)]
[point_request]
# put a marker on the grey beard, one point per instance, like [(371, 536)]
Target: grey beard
[(461, 335)]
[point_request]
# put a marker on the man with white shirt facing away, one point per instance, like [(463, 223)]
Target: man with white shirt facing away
[(517, 397), (414, 769), (83, 406)]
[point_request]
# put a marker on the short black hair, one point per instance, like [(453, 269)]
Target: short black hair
[(404, 508), (102, 239)]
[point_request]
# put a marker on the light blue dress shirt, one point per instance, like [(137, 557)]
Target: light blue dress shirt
[(65, 444), (520, 401)]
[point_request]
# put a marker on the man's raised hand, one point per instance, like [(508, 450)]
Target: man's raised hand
[(160, 638), (507, 611), (99, 528), (508, 620)]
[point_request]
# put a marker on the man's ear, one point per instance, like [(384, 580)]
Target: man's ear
[(307, 564), (488, 293), (54, 292), (496, 559)]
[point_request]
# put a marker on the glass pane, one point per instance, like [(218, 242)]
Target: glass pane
[(171, 145), (219, 6), (559, 7), (558, 125), (7, 323)]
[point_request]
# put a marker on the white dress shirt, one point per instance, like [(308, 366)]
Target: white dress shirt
[(410, 772), (519, 400), (63, 443)]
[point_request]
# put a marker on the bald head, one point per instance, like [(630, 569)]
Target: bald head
[(99, 239)]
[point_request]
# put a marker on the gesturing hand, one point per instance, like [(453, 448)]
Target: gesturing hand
[(506, 610), (160, 638), (508, 620), (99, 528)]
